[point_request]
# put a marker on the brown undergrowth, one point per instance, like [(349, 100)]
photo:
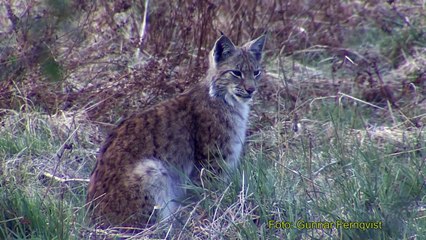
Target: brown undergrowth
[(73, 55)]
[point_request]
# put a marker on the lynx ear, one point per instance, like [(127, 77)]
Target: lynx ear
[(223, 48), (256, 46)]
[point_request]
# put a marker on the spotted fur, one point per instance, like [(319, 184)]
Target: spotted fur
[(147, 157)]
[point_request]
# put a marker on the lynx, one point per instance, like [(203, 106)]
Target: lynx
[(145, 160)]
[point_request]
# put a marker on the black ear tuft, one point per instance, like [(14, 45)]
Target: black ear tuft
[(256, 46), (223, 48)]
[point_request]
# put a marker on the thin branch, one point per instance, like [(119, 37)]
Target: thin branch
[(142, 31), (64, 180), (359, 100)]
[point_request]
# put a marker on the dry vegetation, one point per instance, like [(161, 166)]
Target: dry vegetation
[(70, 69)]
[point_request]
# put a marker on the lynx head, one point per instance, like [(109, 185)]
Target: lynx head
[(234, 71)]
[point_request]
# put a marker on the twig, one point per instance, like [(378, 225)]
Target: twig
[(400, 15), (64, 180), (142, 31), (58, 158), (359, 100), (12, 17), (220, 200), (295, 172), (404, 152), (324, 167), (190, 215), (12, 219)]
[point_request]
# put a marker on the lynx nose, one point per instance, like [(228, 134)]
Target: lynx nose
[(250, 89)]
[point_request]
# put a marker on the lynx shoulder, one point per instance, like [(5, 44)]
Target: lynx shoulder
[(147, 157)]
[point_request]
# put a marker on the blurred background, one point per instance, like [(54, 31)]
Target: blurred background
[(63, 55)]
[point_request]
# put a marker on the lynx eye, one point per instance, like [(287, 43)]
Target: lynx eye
[(256, 73), (236, 73)]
